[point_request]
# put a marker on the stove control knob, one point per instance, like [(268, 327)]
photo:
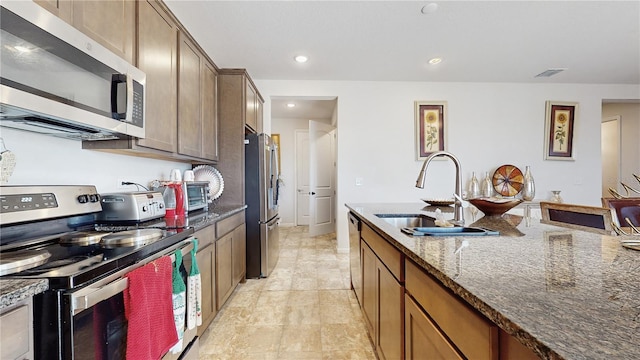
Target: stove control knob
[(82, 199), (94, 198), (145, 208)]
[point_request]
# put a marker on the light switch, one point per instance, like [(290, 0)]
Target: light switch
[(358, 181)]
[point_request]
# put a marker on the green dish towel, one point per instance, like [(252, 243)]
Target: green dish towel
[(179, 301), (194, 291)]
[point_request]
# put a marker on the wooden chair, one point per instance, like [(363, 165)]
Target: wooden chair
[(580, 217), (623, 209)]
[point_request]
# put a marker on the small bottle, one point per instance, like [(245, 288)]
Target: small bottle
[(474, 187), (529, 186), (487, 186), (556, 198)]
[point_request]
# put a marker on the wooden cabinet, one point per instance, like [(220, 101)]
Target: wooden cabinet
[(422, 337), (158, 58), (206, 257), (111, 23), (60, 8), (471, 333), (233, 102), (16, 331), (180, 93), (197, 110), (383, 294), (230, 256), (253, 107)]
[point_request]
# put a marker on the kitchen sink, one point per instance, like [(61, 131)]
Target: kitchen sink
[(408, 220)]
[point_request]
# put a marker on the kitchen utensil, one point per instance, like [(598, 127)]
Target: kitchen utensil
[(212, 175)]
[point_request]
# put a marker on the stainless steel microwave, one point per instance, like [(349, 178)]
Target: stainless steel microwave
[(56, 80)]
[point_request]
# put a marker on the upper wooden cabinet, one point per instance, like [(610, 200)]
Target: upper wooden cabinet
[(253, 112), (197, 110), (158, 58), (111, 23), (60, 8), (180, 92)]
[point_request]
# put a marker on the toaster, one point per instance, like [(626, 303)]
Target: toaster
[(136, 206)]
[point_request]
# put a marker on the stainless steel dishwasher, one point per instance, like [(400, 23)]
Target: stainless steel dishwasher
[(354, 255)]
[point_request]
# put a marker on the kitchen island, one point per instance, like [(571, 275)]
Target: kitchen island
[(561, 293)]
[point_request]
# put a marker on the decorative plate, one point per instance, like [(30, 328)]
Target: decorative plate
[(439, 202), (213, 176), (508, 180)]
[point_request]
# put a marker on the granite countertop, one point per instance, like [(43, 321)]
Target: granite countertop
[(563, 293), (13, 291), (202, 219)]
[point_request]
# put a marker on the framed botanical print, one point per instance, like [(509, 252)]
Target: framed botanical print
[(560, 121), (430, 122)]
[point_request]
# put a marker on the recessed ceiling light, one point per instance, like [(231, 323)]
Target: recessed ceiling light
[(435, 61), (301, 58), (429, 8), (290, 105)]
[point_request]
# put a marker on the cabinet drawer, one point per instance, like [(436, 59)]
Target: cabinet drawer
[(390, 256), (422, 337), (14, 327), (475, 336), (225, 226), (205, 236)]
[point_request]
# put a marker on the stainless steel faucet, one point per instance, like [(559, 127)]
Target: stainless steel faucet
[(458, 217)]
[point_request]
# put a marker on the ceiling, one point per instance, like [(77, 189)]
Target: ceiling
[(596, 42)]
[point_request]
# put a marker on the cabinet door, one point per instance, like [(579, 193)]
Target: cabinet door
[(209, 106), (422, 337), (259, 114), (251, 111), (60, 8), (239, 254), (157, 57), (206, 264), (389, 313), (189, 87), (110, 23), (369, 285), (224, 271)]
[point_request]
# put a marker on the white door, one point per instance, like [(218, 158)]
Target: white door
[(302, 177), (321, 178), (610, 147)]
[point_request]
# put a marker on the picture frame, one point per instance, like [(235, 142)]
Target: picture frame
[(430, 127), (560, 122)]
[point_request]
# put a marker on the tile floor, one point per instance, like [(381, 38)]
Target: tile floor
[(304, 310)]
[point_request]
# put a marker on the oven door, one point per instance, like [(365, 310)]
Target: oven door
[(98, 326)]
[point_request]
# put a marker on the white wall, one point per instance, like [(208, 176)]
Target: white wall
[(47, 160), (489, 124)]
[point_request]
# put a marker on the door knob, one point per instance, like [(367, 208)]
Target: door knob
[(312, 193)]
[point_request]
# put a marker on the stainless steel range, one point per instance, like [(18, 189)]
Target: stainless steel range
[(50, 232)]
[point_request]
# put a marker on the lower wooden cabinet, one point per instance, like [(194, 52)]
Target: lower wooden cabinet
[(16, 331), (382, 304), (422, 339), (230, 256), (206, 257)]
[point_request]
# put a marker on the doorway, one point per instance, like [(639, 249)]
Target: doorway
[(292, 126)]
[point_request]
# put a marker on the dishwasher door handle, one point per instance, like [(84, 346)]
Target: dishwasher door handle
[(95, 295)]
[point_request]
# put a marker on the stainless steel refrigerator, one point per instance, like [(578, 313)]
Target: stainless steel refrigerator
[(261, 194)]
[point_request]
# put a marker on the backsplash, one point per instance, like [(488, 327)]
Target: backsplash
[(47, 160)]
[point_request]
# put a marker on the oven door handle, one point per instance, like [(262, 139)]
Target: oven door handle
[(89, 296), (83, 302)]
